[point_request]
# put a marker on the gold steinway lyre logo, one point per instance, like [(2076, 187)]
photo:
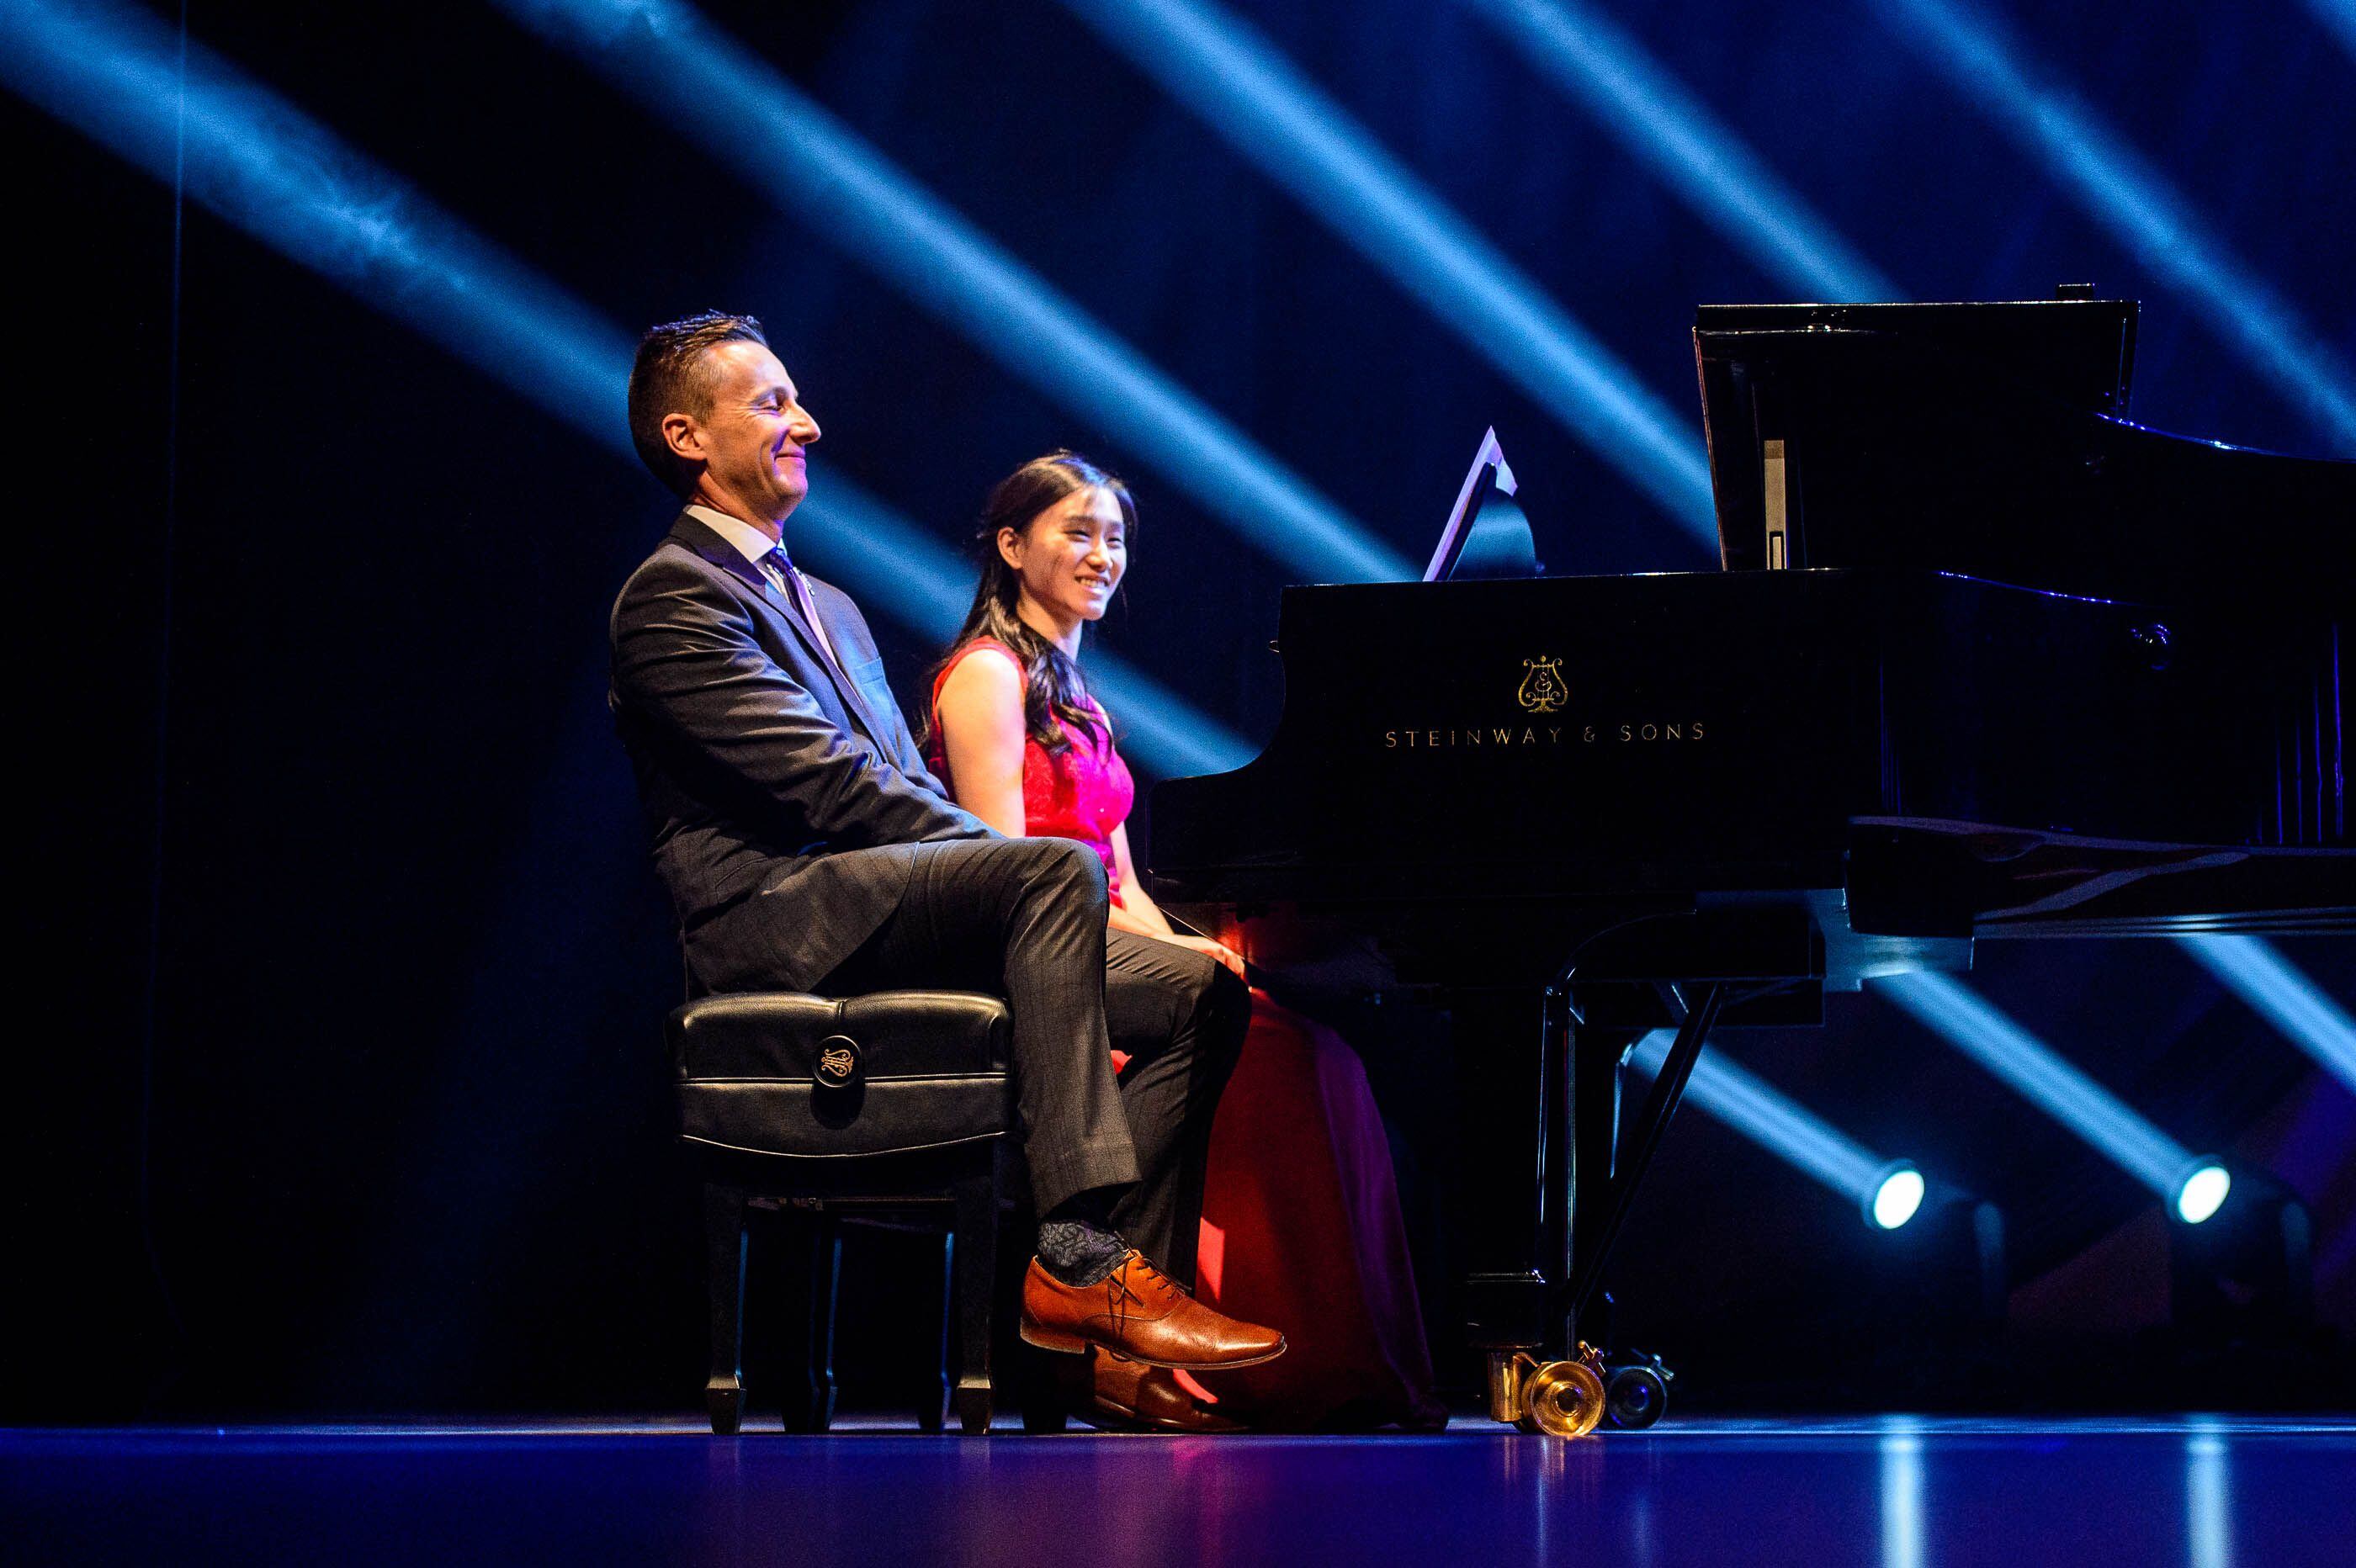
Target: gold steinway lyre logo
[(1542, 688), (835, 1064)]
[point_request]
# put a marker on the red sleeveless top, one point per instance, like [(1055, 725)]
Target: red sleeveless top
[(1084, 792)]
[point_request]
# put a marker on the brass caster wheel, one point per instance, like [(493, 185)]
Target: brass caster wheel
[(1509, 1371), (1564, 1399)]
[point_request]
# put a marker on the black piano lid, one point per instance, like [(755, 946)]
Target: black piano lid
[(1992, 439), (2079, 351)]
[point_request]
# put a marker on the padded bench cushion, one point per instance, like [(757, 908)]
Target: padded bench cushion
[(931, 1070)]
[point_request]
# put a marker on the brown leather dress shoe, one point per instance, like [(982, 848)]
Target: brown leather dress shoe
[(1131, 1393), (1135, 1312)]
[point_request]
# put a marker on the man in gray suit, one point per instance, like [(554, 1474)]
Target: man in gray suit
[(807, 848)]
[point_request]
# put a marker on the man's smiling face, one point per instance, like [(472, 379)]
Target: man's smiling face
[(752, 441)]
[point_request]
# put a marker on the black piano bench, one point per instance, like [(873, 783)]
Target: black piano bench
[(895, 1107)]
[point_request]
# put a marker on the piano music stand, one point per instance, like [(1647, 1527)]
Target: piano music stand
[(1487, 535)]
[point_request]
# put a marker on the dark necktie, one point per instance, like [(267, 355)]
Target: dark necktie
[(779, 566)]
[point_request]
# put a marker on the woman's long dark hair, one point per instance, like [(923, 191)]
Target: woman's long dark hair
[(1051, 681)]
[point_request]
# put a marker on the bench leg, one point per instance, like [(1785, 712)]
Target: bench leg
[(974, 1258), (724, 1242), (933, 1402), (813, 1411)]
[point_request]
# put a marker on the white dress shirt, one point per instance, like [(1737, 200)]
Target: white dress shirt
[(756, 548), (750, 540)]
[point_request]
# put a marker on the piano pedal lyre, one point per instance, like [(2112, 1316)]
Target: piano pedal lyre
[(1562, 1399), (1775, 475)]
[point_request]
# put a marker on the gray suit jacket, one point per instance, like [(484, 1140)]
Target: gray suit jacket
[(783, 804)]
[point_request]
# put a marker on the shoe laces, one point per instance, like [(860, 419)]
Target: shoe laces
[(1118, 1293), (1118, 1296)]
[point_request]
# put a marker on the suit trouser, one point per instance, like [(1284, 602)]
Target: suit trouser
[(1024, 919)]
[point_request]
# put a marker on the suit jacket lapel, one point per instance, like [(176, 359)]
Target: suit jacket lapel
[(879, 731), (730, 559), (720, 553)]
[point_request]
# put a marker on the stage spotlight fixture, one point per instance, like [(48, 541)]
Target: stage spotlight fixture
[(2130, 196), (2192, 1187), (1888, 1192), (2258, 973), (259, 163), (1669, 130), (1897, 1197), (1247, 91), (819, 171), (2201, 1193)]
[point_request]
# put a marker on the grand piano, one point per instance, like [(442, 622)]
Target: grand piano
[(1984, 660)]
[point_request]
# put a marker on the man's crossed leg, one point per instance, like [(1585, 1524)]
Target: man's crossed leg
[(1115, 1159)]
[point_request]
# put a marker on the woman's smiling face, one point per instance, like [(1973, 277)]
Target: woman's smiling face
[(1071, 555)]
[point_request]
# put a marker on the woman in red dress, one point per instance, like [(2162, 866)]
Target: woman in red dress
[(1301, 1220)]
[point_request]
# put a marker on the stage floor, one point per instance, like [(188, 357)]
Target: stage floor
[(1892, 1490)]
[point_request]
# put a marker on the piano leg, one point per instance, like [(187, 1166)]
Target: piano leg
[(1557, 1170), (1503, 1042), (1603, 1228), (1596, 1057)]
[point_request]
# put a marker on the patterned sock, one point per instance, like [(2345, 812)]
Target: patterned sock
[(1078, 1250)]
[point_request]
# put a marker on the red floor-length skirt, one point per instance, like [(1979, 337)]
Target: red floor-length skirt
[(1301, 1232)]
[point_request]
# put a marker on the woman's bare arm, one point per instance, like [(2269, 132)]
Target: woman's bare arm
[(982, 736), (1147, 915)]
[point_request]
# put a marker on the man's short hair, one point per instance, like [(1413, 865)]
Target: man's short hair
[(671, 375)]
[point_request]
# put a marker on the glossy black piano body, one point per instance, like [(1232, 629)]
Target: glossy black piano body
[(1572, 809), (1725, 730)]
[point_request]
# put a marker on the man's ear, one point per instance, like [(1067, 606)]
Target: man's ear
[(684, 437), (1009, 547)]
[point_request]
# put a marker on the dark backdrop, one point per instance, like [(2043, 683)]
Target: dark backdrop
[(343, 1089)]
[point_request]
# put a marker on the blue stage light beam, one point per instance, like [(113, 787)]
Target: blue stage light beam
[(1248, 93), (2262, 976), (2339, 18), (260, 163), (842, 190), (2193, 1186), (1673, 132), (2133, 200), (1887, 1191)]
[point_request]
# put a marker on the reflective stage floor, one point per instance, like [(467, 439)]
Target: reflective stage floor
[(1893, 1490)]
